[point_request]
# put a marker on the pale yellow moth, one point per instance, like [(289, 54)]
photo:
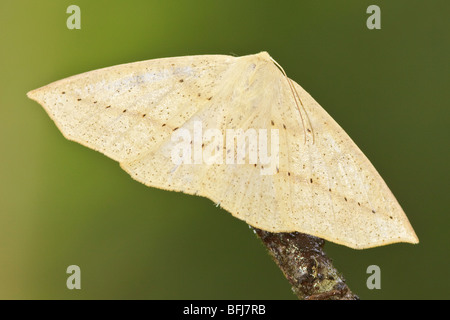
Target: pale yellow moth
[(323, 184)]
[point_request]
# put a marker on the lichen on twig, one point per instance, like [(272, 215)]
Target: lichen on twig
[(306, 266)]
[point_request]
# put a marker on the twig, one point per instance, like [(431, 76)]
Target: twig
[(304, 263)]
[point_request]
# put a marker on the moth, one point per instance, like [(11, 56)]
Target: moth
[(321, 184)]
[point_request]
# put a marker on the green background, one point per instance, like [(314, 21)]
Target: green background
[(64, 204)]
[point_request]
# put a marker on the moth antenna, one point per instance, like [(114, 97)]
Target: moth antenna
[(296, 97), (307, 116)]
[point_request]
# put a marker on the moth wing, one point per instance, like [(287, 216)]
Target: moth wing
[(126, 110)]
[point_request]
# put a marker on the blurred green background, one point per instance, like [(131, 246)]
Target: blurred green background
[(64, 204)]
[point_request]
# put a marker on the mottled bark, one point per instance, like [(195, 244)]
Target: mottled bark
[(304, 263)]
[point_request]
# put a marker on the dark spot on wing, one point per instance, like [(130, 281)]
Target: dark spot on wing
[(125, 110), (108, 107), (273, 123)]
